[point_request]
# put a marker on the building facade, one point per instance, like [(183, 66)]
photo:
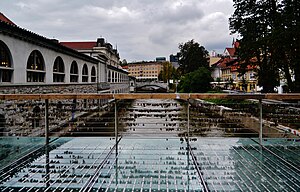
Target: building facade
[(145, 70), (109, 69), (226, 72), (174, 60), (30, 59), (30, 63)]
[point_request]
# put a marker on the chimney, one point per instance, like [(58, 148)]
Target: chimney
[(100, 42), (55, 41)]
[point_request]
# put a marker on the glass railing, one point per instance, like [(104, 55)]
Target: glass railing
[(150, 142)]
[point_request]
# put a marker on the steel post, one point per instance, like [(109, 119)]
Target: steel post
[(116, 125), (47, 121), (260, 122), (188, 120)]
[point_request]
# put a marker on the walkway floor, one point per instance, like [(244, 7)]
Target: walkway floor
[(156, 164)]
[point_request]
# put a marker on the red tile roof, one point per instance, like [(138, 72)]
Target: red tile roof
[(5, 19), (226, 62), (231, 51), (80, 45)]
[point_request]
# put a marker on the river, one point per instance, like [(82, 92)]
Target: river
[(169, 118)]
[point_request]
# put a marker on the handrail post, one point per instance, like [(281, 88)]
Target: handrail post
[(188, 140), (188, 122), (47, 121), (116, 138), (116, 125), (260, 122)]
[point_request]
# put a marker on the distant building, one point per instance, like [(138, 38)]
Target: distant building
[(145, 70), (213, 58), (160, 59), (230, 51), (174, 60), (109, 62), (225, 72), (96, 48)]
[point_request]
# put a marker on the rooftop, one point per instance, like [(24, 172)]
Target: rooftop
[(80, 45), (6, 20)]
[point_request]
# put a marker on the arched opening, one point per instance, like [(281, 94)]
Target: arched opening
[(85, 73), (6, 69), (58, 70), (35, 67), (113, 77), (74, 72), (93, 74), (36, 118)]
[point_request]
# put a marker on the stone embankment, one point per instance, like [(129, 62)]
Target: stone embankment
[(27, 117), (249, 121)]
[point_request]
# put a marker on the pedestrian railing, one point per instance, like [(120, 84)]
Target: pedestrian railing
[(149, 142), (55, 115)]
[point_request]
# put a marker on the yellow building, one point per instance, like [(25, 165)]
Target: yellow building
[(248, 79), (228, 70), (145, 70)]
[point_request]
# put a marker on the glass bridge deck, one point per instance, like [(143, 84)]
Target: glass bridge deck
[(156, 164)]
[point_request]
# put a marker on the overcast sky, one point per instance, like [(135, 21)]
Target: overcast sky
[(141, 29)]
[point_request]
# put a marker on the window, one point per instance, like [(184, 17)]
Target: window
[(93, 74), (109, 76), (233, 76), (85, 73), (6, 69), (35, 67), (58, 70), (74, 72)]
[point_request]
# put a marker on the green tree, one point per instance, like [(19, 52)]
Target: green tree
[(167, 72), (254, 21), (290, 37), (196, 82), (270, 33), (192, 56)]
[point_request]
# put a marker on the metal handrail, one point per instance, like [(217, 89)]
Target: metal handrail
[(184, 96)]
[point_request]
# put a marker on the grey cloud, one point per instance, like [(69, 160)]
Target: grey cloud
[(180, 15), (143, 29)]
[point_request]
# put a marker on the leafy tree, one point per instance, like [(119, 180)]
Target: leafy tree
[(254, 21), (196, 82), (270, 33), (290, 36), (192, 56), (167, 72)]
